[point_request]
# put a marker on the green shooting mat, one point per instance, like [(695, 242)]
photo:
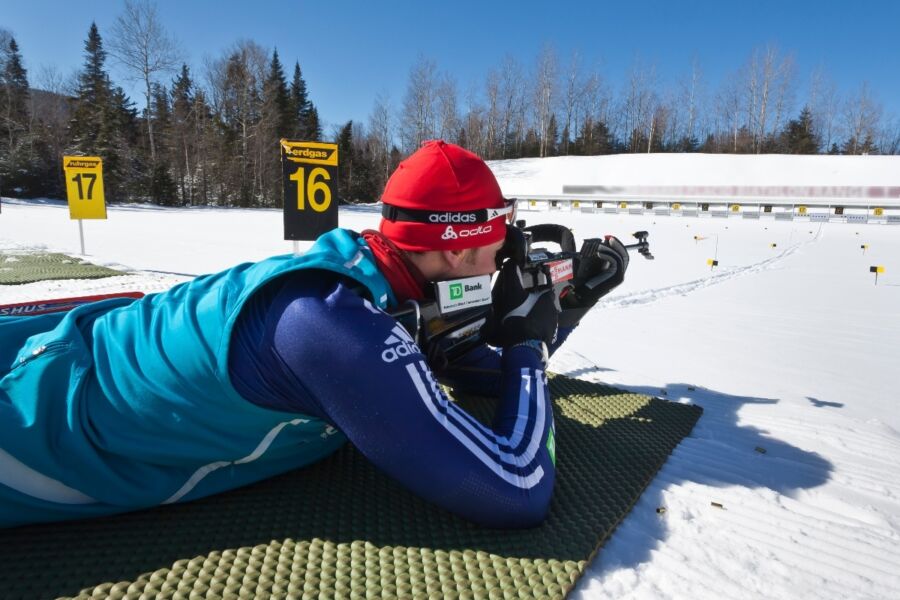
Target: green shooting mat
[(341, 529), (31, 267)]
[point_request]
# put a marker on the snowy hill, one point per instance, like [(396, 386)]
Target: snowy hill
[(792, 351), (549, 175)]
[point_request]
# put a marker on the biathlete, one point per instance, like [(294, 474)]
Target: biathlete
[(230, 378)]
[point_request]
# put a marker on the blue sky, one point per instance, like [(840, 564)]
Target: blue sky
[(352, 51)]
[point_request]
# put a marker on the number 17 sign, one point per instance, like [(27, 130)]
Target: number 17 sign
[(84, 187)]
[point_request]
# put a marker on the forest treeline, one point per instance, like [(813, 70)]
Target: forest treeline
[(210, 135)]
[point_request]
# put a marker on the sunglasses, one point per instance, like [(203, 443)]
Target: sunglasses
[(450, 217)]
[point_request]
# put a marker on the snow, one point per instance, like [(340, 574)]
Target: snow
[(792, 352)]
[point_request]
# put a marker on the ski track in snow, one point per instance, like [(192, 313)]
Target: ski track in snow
[(683, 289)]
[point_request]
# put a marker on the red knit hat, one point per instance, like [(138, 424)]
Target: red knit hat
[(439, 199)]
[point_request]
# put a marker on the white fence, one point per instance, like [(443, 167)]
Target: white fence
[(887, 212)]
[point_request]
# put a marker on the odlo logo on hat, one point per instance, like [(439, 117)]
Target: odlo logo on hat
[(451, 234)]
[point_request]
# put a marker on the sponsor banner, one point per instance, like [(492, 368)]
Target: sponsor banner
[(84, 187), (309, 180), (561, 270), (459, 294), (43, 307)]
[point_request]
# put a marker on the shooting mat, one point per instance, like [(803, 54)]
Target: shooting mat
[(341, 529), (31, 267)]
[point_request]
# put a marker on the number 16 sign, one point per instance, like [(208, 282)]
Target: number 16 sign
[(310, 186), (84, 187)]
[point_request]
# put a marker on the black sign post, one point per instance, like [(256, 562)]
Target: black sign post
[(309, 179)]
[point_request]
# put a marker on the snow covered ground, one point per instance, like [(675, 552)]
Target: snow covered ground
[(792, 351)]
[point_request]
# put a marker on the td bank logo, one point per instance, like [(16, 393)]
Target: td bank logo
[(456, 291)]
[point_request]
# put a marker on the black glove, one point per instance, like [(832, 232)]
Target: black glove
[(518, 315), (601, 269)]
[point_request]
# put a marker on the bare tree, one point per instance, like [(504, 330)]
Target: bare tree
[(729, 108), (688, 107), (639, 106), (768, 87), (824, 103), (476, 127), (140, 43), (572, 89), (513, 106), (417, 119), (380, 129), (862, 116), (544, 94), (236, 84), (447, 112), (889, 140), (54, 111), (492, 116)]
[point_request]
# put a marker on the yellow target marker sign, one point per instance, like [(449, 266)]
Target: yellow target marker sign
[(309, 177), (84, 187), (735, 208), (801, 210)]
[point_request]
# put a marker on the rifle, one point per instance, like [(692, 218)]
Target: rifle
[(445, 331)]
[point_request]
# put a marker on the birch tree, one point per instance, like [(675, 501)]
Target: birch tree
[(141, 44), (769, 83), (544, 95)]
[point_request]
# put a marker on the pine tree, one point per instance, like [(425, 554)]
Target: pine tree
[(15, 149), (103, 122), (93, 94), (162, 186), (799, 136), (13, 91), (180, 133), (346, 157), (595, 138), (312, 127), (550, 144), (276, 99), (299, 104)]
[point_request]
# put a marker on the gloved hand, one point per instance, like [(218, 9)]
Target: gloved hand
[(601, 269), (518, 315)]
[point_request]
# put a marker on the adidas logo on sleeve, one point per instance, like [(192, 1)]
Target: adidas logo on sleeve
[(399, 344)]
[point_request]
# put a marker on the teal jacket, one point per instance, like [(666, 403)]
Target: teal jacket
[(84, 396)]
